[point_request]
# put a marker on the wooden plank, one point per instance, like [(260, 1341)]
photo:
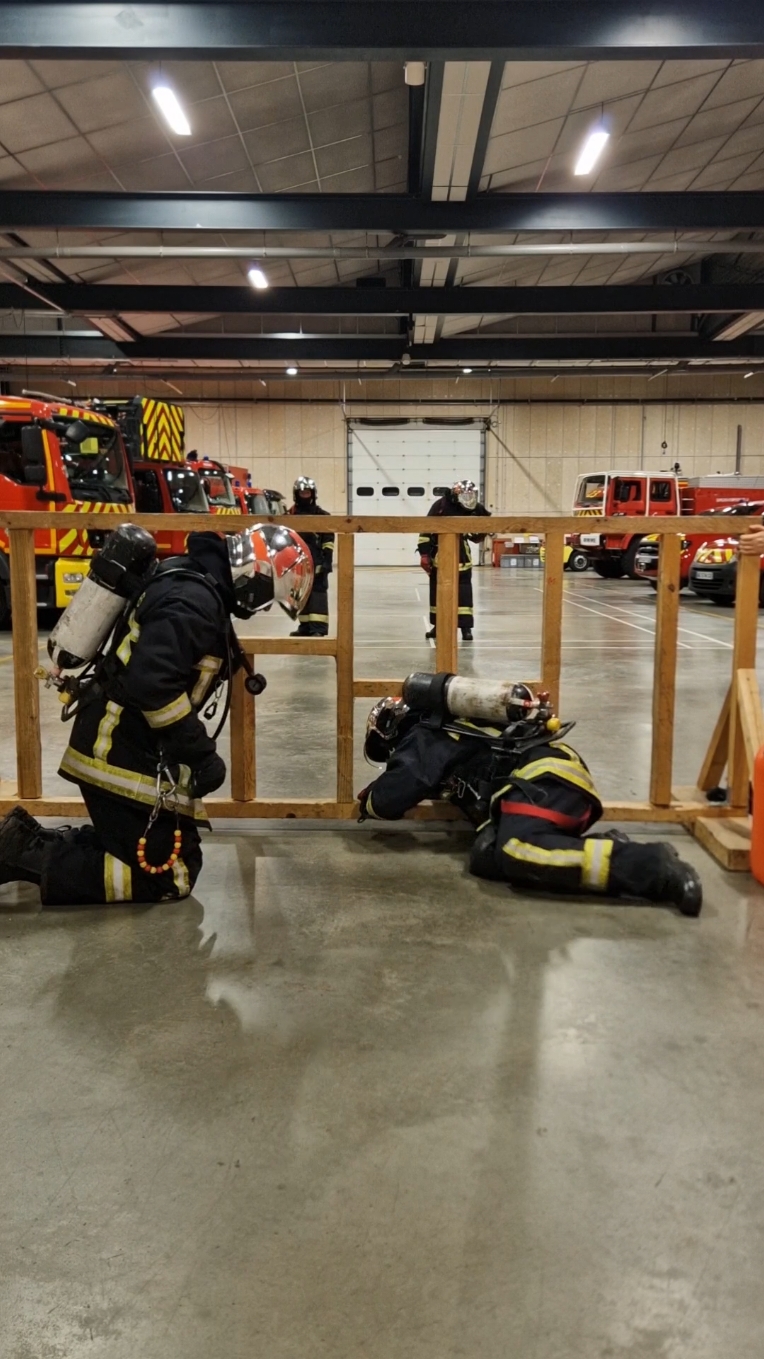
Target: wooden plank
[(446, 649), (345, 577), (551, 627), (241, 725), (289, 646), (743, 658), (273, 809), (728, 840), (26, 688), (382, 688), (335, 523), (750, 715), (664, 670), (715, 760)]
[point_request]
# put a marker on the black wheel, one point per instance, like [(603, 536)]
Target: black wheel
[(629, 558), (609, 569), (577, 561), (725, 602)]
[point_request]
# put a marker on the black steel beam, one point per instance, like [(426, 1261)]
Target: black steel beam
[(72, 210), (469, 349), (106, 299), (364, 30)]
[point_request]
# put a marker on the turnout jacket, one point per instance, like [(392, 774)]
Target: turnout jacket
[(320, 545), (432, 763), (427, 545), (166, 656)]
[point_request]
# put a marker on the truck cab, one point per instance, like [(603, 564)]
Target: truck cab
[(612, 494), (66, 459), (218, 485)]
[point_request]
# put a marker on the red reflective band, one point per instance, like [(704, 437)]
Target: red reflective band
[(571, 823)]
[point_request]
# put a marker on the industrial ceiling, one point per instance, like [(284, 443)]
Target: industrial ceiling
[(403, 228)]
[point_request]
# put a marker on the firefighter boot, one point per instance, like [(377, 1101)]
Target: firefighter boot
[(483, 855), (681, 883), (22, 849), (31, 823)]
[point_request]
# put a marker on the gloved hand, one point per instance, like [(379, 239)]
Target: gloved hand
[(426, 564), (208, 775)]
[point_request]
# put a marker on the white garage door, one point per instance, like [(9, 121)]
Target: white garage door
[(402, 470)]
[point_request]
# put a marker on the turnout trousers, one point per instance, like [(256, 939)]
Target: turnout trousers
[(539, 845), (314, 620), (466, 612), (98, 864)]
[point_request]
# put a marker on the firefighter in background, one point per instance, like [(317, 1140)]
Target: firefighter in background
[(461, 499), (139, 750), (530, 796), (314, 621)]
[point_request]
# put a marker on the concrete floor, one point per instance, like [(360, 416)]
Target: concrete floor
[(348, 1101)]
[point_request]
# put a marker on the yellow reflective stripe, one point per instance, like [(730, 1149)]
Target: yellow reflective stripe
[(314, 618), (117, 879), (106, 729), (171, 712), (465, 566), (547, 858), (126, 783), (370, 810), (466, 610), (329, 547), (422, 539), (566, 770), (128, 641), (208, 667), (181, 878), (475, 726), (595, 871)]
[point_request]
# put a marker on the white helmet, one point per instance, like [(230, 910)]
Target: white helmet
[(466, 492)]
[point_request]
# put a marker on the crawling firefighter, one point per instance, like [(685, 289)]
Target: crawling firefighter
[(314, 621), (140, 656), (460, 499), (497, 752)]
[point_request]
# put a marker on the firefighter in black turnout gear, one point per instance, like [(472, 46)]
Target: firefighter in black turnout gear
[(314, 622), (529, 795), (139, 750), (461, 499)]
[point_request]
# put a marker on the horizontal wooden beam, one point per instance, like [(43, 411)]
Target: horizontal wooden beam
[(370, 524), (289, 646)]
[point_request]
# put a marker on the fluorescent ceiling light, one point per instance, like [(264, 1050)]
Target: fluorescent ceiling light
[(172, 112), (257, 277), (747, 375), (591, 151), (291, 372), (466, 370)]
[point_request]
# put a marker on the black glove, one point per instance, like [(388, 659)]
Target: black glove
[(208, 775)]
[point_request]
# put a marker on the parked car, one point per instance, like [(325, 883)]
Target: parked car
[(713, 574), (646, 561)]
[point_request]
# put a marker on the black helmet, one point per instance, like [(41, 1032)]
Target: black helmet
[(304, 487), (383, 729)]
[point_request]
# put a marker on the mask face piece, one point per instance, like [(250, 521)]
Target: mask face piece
[(467, 495)]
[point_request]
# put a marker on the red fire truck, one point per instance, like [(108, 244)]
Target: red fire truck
[(218, 485), (638, 494), (67, 459)]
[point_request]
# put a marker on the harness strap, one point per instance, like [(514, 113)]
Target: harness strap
[(568, 823)]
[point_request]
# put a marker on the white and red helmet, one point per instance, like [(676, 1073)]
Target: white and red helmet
[(269, 562)]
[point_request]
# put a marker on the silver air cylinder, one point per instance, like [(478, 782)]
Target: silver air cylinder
[(486, 700), (116, 572)]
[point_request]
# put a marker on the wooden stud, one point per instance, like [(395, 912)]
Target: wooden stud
[(664, 669), (743, 658), (382, 688), (750, 715), (551, 627), (728, 840), (26, 689), (241, 726), (345, 577), (447, 600), (713, 765), (289, 646)]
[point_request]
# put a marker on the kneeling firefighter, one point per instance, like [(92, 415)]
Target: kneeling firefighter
[(156, 643), (496, 752)]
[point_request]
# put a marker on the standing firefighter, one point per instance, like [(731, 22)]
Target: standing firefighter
[(314, 622), (156, 641), (461, 499)]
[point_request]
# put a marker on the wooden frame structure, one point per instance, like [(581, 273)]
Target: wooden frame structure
[(738, 734)]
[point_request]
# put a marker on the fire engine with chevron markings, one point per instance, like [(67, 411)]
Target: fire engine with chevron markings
[(165, 483), (64, 458)]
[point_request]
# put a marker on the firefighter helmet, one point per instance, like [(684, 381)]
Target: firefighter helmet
[(383, 729), (304, 488), (466, 492), (269, 562)]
